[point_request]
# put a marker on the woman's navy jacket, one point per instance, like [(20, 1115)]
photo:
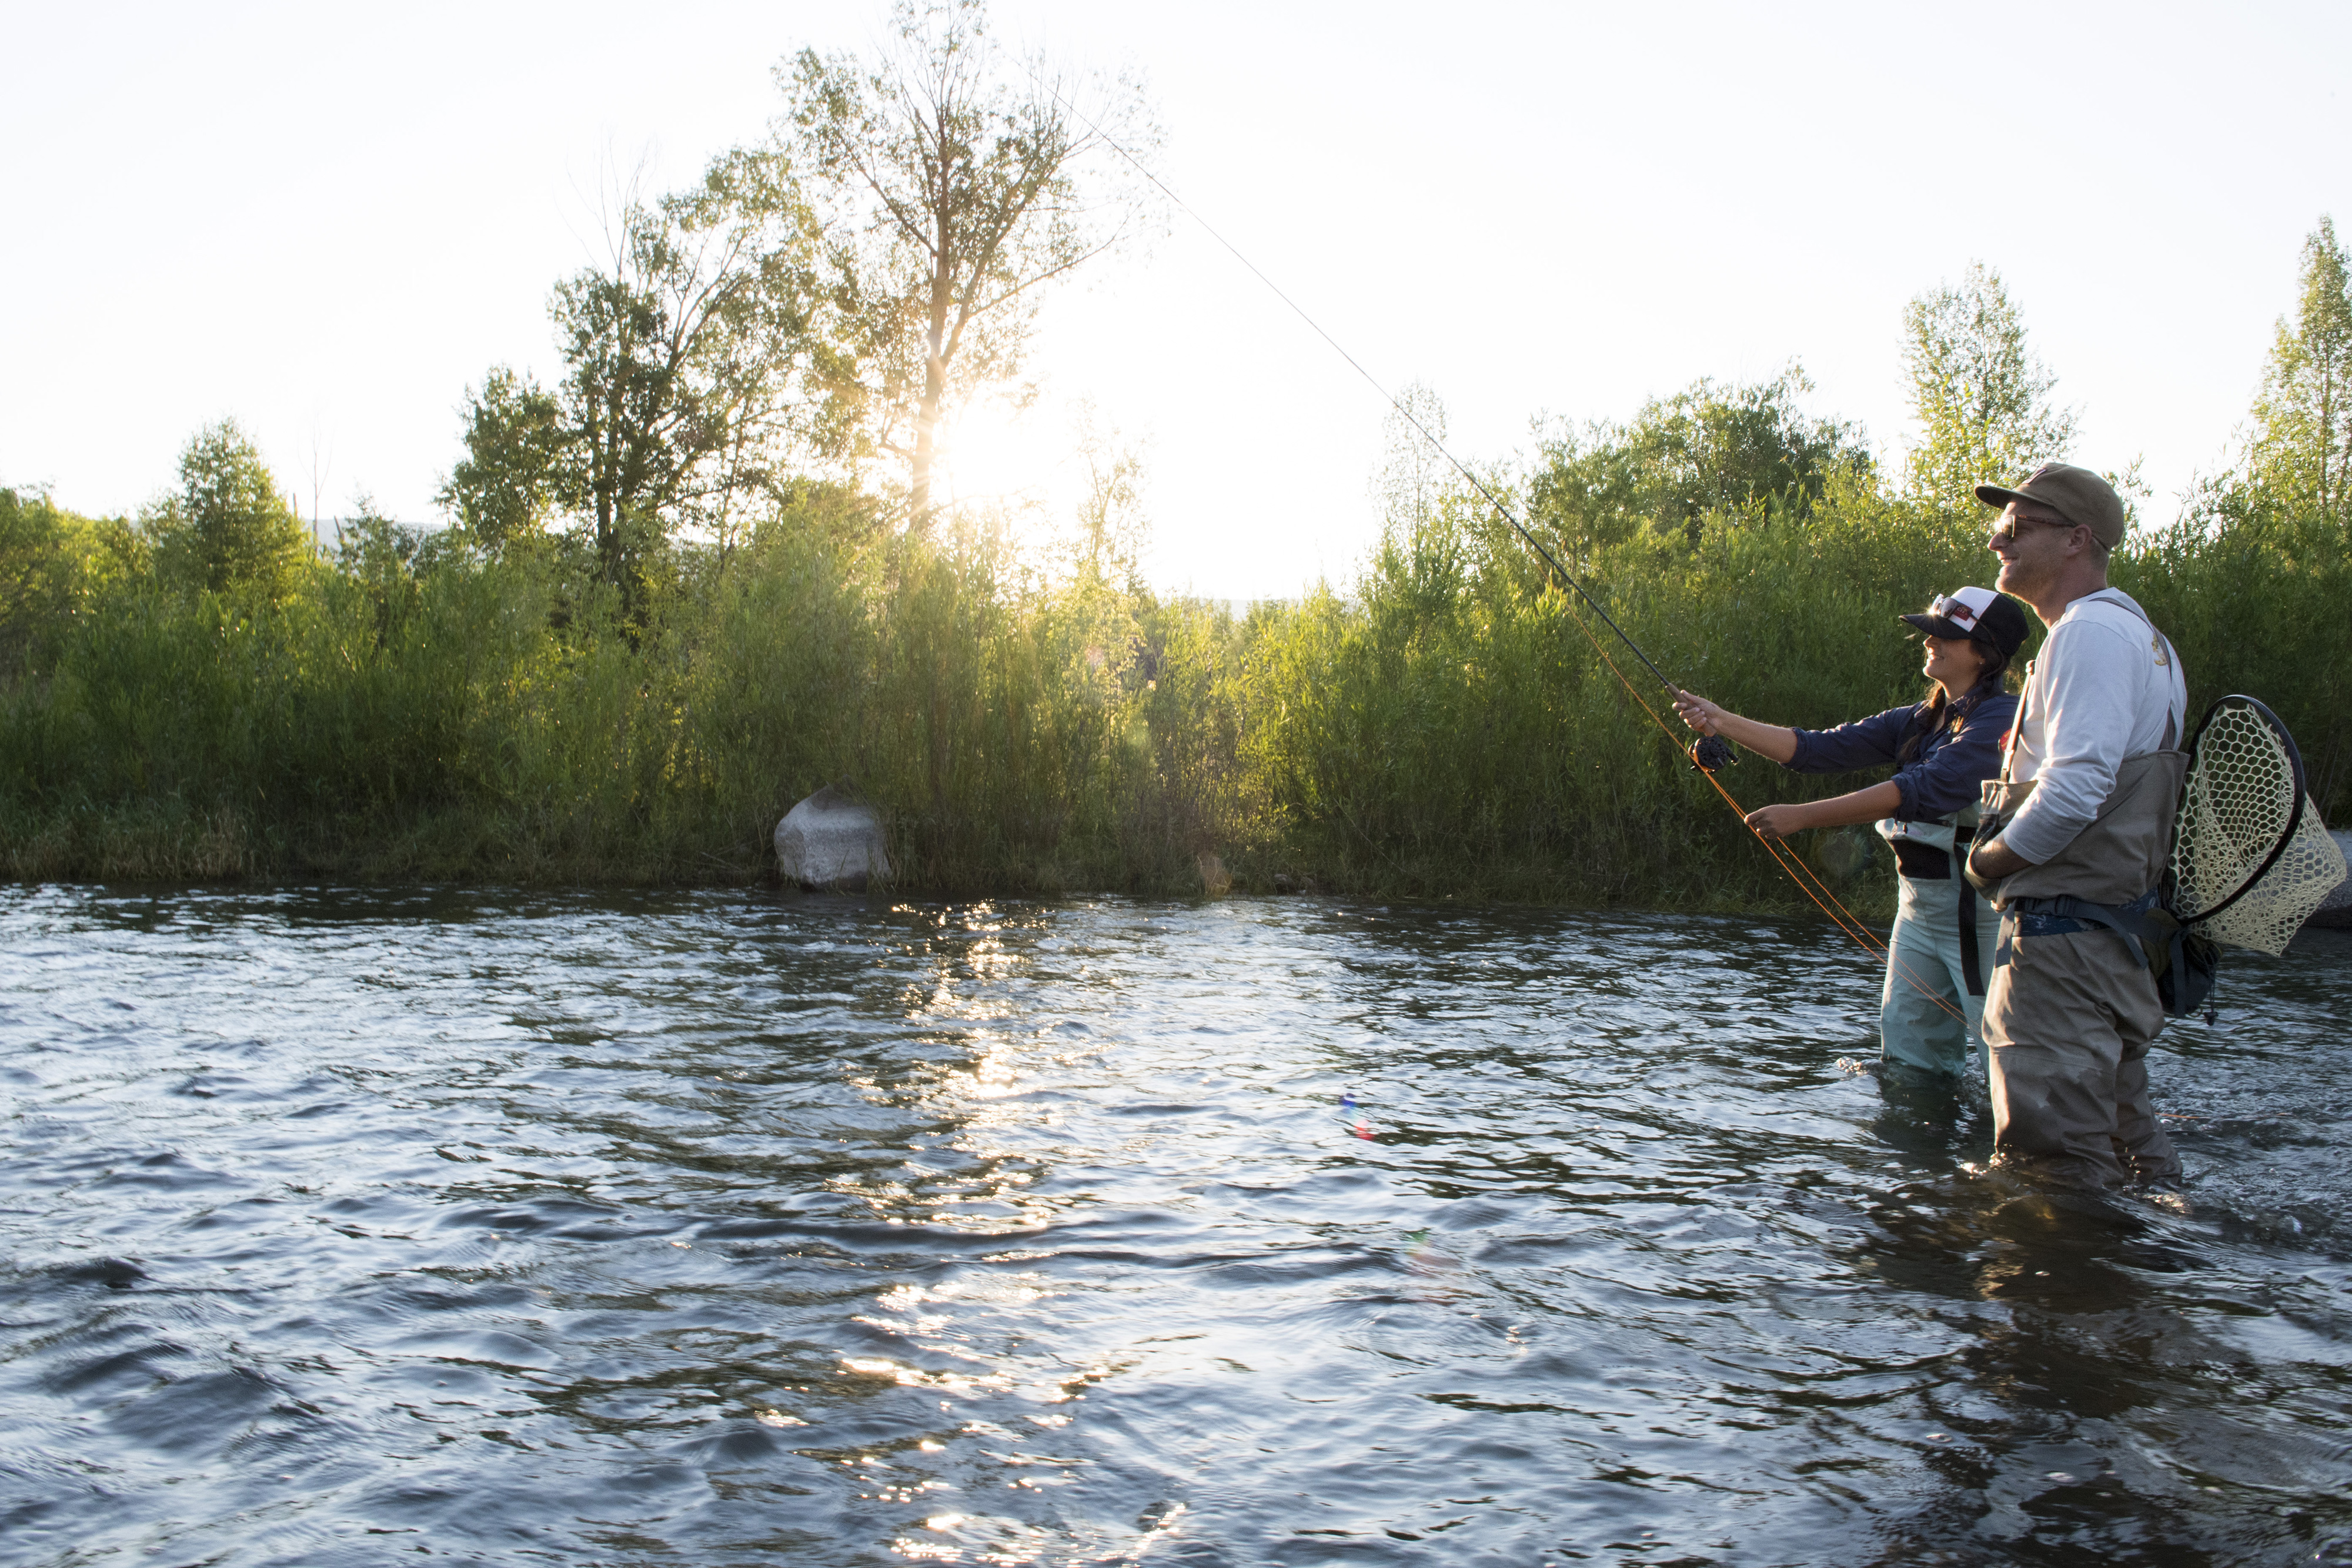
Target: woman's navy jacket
[(1952, 762)]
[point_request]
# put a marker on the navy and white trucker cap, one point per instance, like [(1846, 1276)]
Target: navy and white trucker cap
[(1974, 612)]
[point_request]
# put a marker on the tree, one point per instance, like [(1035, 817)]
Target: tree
[(1983, 401), (229, 526), (678, 365), (2300, 451), (1711, 448), (53, 565), (682, 398), (511, 479), (1413, 475), (948, 189), (1111, 524)]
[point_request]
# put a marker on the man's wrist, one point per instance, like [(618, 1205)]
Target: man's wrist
[(1994, 860)]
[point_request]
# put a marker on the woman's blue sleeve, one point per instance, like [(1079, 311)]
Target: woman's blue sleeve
[(1952, 765), (1865, 743)]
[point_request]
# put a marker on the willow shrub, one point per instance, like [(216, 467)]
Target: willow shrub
[(1454, 728), (1033, 734), (2262, 605), (446, 715)]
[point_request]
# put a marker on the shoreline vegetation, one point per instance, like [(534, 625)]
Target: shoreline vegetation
[(414, 707), (708, 574)]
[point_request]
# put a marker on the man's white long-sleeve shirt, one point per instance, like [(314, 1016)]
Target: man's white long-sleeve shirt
[(2100, 691)]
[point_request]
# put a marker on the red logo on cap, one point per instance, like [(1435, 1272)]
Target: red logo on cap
[(1961, 613)]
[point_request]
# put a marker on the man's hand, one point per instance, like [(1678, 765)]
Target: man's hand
[(1778, 821), (1994, 860)]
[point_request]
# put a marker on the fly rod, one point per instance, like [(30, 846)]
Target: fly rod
[(1711, 751), (1708, 753)]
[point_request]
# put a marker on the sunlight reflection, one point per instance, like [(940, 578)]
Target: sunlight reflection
[(1026, 463), (916, 1377)]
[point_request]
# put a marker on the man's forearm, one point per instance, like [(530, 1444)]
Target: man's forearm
[(1994, 860)]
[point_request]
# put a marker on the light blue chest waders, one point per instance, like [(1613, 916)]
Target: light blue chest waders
[(1940, 954)]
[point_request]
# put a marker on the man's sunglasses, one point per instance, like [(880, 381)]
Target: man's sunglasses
[(2006, 533)]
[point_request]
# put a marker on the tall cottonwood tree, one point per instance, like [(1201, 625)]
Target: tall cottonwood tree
[(682, 397), (2301, 450), (680, 358), (1981, 398), (950, 183)]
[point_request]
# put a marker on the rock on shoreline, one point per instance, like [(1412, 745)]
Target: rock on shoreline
[(832, 843)]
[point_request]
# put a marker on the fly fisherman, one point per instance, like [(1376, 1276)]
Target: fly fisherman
[(2078, 830), (1939, 956)]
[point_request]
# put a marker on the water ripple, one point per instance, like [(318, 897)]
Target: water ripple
[(692, 1226)]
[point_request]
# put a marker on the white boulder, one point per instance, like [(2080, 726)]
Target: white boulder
[(830, 841)]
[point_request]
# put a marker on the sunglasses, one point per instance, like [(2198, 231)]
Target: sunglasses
[(1960, 611), (2006, 533)]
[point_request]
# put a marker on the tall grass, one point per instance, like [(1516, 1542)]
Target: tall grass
[(2262, 605), (1444, 726)]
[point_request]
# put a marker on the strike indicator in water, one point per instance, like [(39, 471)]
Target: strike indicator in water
[(1351, 1120)]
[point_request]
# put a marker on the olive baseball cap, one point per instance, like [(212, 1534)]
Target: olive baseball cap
[(2075, 493)]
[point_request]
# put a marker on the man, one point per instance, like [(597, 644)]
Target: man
[(2082, 826)]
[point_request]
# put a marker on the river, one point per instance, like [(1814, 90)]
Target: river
[(355, 1226)]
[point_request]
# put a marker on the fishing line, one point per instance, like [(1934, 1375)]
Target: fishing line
[(1709, 752), (1712, 756), (1791, 865)]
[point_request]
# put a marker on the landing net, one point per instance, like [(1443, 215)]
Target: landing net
[(2251, 859)]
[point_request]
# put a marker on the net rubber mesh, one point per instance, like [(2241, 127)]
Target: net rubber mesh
[(2240, 798)]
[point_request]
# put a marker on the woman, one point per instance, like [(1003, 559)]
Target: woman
[(1940, 954)]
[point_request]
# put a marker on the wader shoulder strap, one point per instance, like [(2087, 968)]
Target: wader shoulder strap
[(1971, 965), (2172, 724)]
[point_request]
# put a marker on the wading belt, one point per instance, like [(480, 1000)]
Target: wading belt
[(2063, 916)]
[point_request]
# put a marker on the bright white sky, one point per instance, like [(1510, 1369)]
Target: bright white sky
[(327, 220)]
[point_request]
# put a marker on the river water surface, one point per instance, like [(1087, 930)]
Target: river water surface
[(355, 1226)]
